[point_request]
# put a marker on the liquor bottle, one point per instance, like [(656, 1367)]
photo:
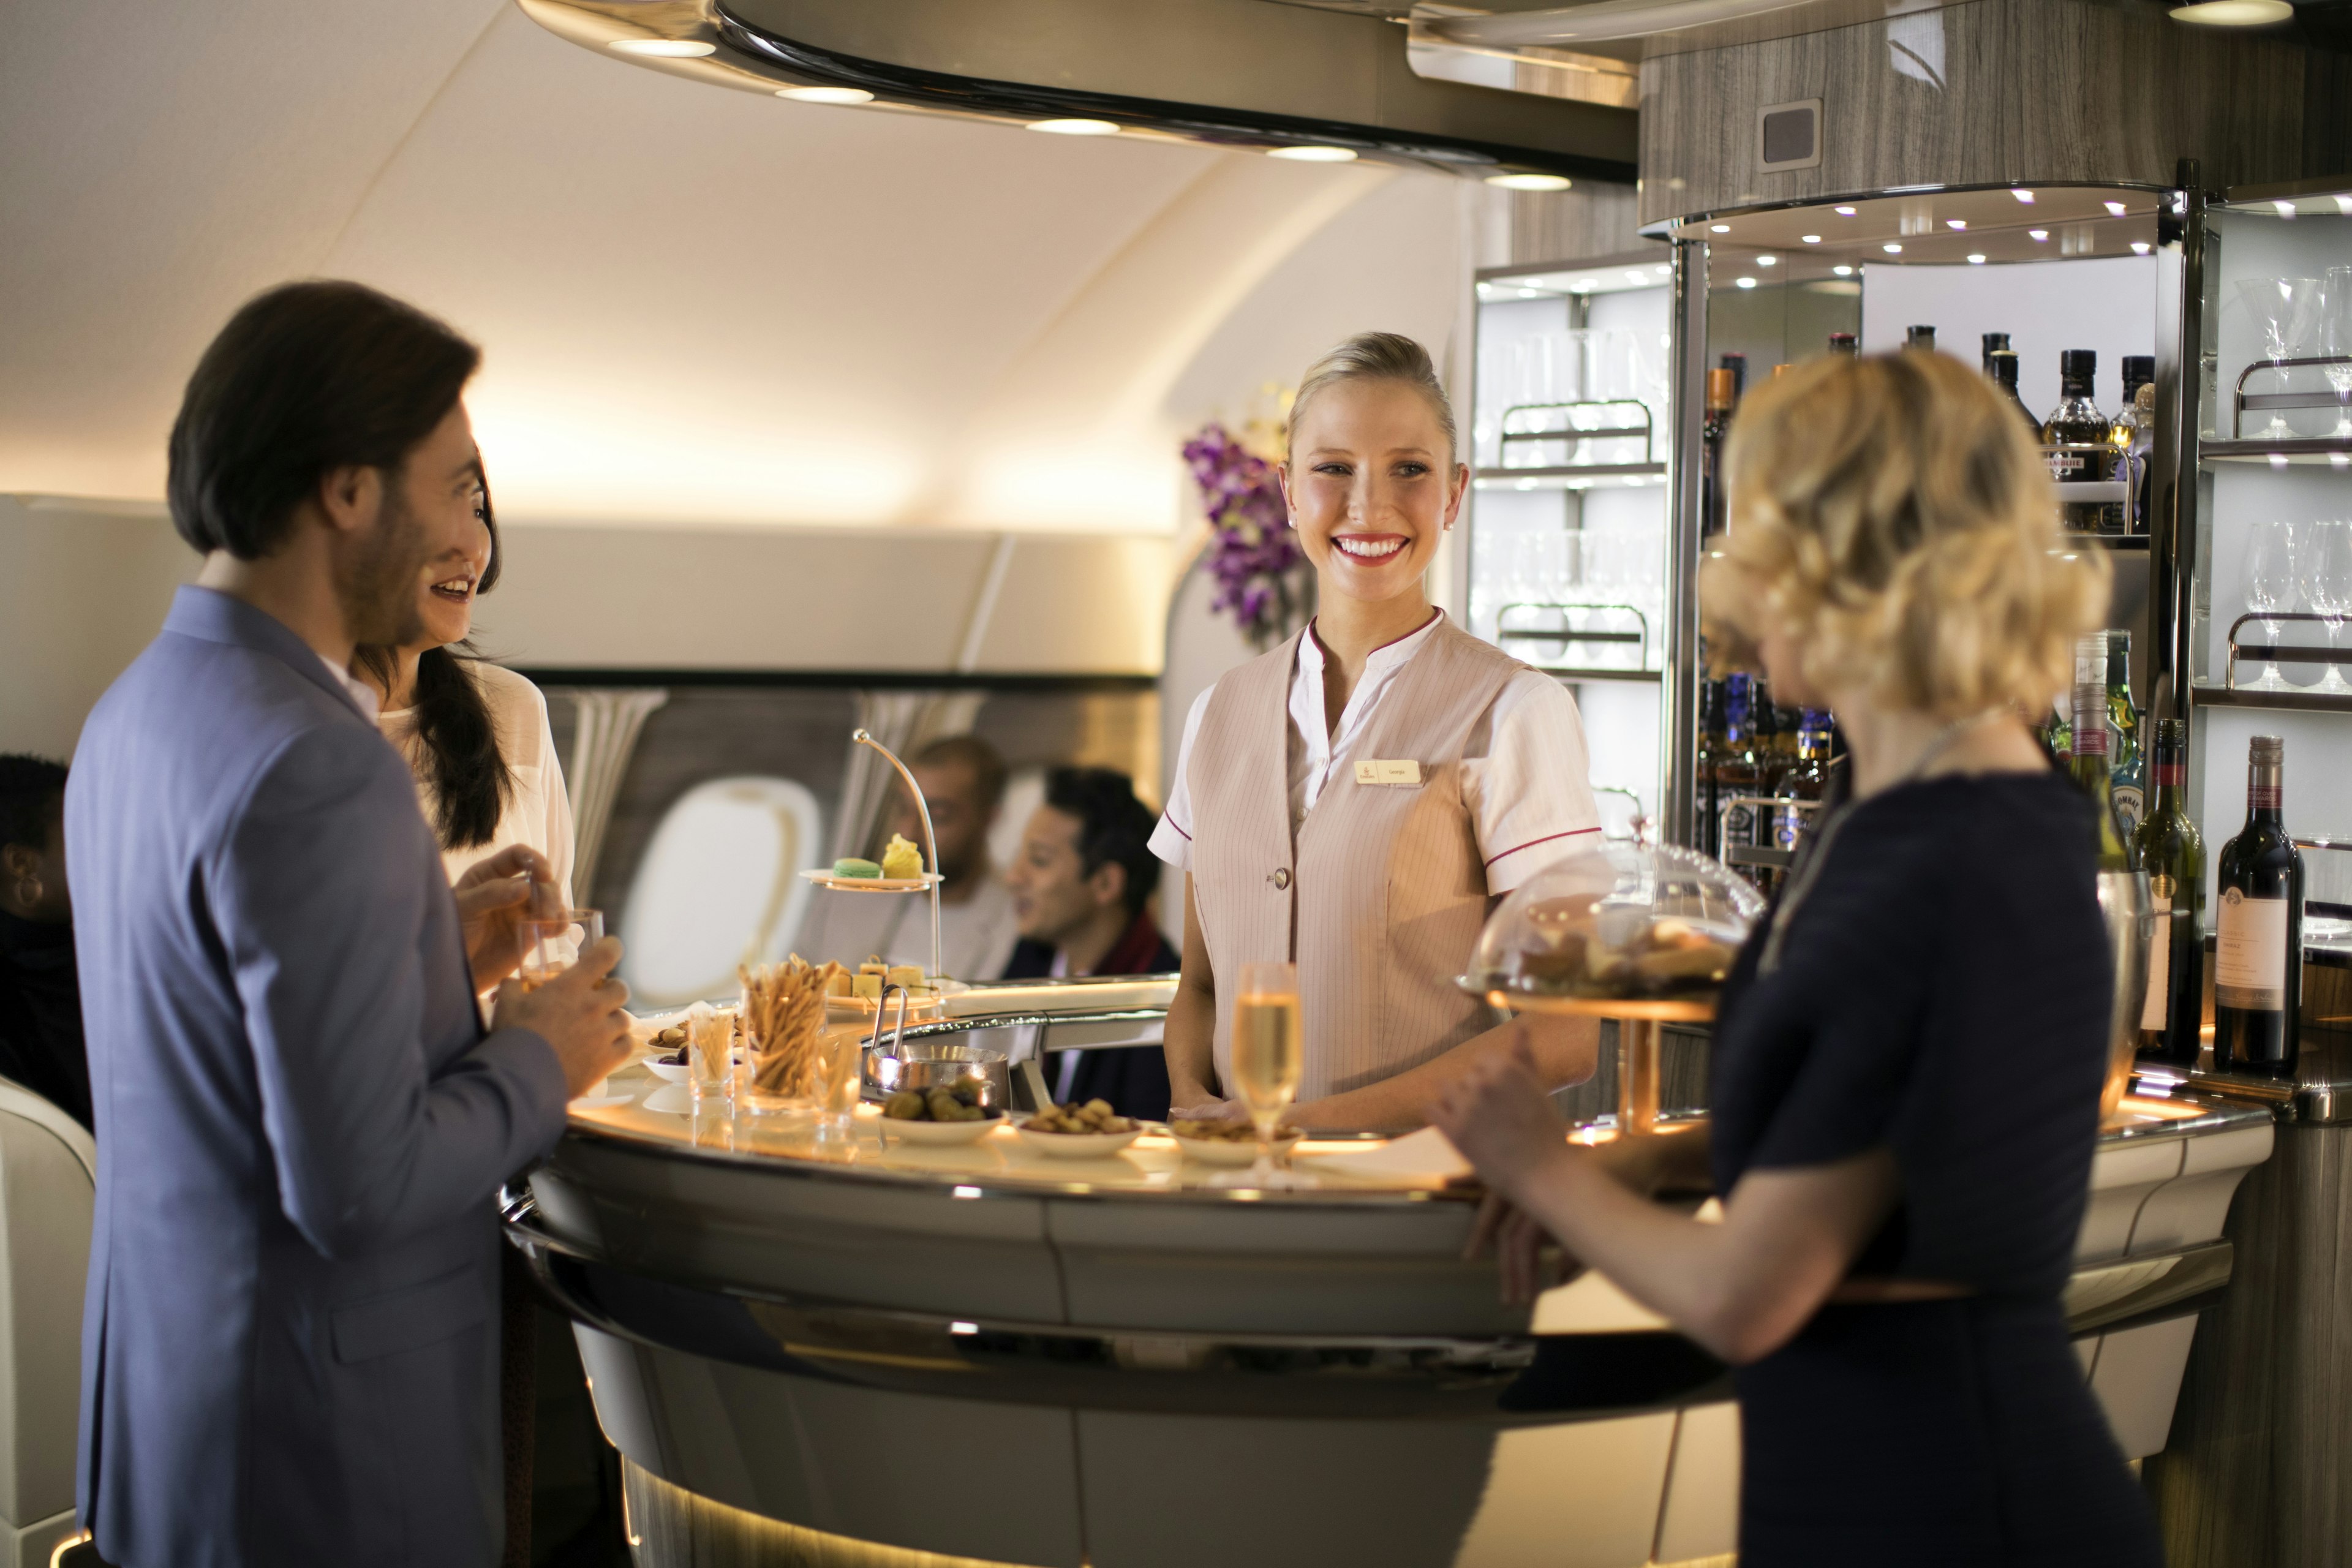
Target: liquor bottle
[(2171, 851), (2127, 764), (1844, 343), (1735, 772), (2258, 928), (2139, 450), (1788, 741), (1920, 338), (2090, 761), (1737, 364), (2002, 365), (1764, 737), (1712, 703), (1807, 780), (2076, 424), (1994, 343), (1722, 393), (2139, 370)]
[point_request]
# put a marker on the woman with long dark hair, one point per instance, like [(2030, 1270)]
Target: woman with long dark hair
[(476, 736)]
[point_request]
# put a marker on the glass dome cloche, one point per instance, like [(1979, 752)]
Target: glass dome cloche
[(1620, 924)]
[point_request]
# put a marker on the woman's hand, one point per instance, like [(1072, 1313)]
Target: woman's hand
[(1520, 1246), (494, 899), (1497, 1115), (1202, 1106)]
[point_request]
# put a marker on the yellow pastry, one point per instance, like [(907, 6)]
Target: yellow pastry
[(900, 859), (909, 975), (869, 985)]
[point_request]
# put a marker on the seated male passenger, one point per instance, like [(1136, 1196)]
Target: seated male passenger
[(40, 1001), (1082, 884)]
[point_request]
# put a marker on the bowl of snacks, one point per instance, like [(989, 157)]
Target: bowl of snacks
[(669, 1060), (952, 1113), (1620, 930), (1075, 1131), (855, 996), (1226, 1142)]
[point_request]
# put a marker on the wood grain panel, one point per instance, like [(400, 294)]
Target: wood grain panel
[(2258, 1466), (1593, 219)]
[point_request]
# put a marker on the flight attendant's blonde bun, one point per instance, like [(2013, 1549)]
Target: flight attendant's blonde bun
[(1377, 356), (1894, 518)]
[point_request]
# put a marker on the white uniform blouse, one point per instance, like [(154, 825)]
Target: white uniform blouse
[(539, 811), (1528, 788)]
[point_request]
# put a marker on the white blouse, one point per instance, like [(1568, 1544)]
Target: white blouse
[(539, 811), (1525, 775)]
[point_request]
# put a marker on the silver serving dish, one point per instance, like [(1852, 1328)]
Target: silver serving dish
[(918, 1066)]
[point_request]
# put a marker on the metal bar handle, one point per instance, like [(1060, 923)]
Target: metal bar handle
[(930, 844), (2294, 654)]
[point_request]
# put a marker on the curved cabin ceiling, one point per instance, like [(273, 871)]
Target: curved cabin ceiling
[(698, 307)]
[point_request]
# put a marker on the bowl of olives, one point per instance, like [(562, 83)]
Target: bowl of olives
[(950, 1113)]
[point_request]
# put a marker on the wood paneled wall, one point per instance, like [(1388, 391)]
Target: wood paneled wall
[(1993, 92)]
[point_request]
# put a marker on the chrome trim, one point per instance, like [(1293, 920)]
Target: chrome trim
[(2319, 1096), (1661, 228), (1679, 729)]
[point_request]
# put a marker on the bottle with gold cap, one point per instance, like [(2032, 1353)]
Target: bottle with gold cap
[(1722, 392)]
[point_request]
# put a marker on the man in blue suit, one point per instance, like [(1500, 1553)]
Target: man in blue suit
[(289, 1348)]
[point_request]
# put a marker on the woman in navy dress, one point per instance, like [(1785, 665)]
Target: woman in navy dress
[(1909, 1051)]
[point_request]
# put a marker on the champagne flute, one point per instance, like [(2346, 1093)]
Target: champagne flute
[(2270, 588), (2336, 342), (2282, 307), (1269, 1055), (2327, 586)]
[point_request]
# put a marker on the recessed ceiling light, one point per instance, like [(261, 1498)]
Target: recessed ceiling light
[(2278, 459), (1718, 229), (2025, 196), (1810, 238), (825, 94), (1956, 223), (1581, 286), (1530, 293), (2233, 12), (2139, 247), (2285, 209), (1975, 260), (2344, 205), (1074, 127), (1744, 283), (1891, 249), (1768, 261), (663, 48), (1632, 277), (2039, 235), (1528, 181), (1845, 212), (1668, 271), (1314, 154), (1843, 271), (2338, 460), (2115, 209)]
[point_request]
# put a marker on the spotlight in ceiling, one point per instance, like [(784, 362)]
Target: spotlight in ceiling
[(1744, 283), (2115, 209), (1956, 223), (1891, 249), (1768, 261), (2233, 12), (2139, 247), (2025, 196), (1718, 229), (1635, 278), (2285, 209), (663, 48), (825, 94), (1843, 271), (1810, 238), (1528, 181), (1074, 127), (1314, 154), (1976, 260), (1845, 212), (2039, 235)]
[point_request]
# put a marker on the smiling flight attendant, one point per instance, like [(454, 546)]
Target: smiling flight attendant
[(1357, 798)]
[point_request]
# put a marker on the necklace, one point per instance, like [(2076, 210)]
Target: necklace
[(1807, 871)]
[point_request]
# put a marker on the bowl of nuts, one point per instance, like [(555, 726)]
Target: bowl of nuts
[(1080, 1131), (1226, 1142)]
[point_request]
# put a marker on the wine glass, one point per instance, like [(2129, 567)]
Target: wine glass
[(1269, 1057), (554, 943), (2282, 307), (2327, 587), (2335, 341), (2270, 588)]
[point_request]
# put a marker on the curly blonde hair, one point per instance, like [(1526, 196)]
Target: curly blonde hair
[(1895, 518)]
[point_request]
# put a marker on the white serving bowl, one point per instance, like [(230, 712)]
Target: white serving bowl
[(1078, 1145), (670, 1072), (1227, 1151), (937, 1134)]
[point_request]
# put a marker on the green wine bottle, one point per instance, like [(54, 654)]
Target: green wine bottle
[(2169, 850), (2090, 763)]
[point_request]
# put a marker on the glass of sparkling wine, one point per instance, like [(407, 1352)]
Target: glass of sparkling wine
[(1268, 1055)]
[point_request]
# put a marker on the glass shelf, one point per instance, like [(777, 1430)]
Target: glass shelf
[(1579, 477), (2214, 694), (2302, 451)]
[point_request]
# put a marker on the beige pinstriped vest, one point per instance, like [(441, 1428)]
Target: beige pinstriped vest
[(1381, 897)]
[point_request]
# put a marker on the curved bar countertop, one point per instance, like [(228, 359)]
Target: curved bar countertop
[(867, 1355)]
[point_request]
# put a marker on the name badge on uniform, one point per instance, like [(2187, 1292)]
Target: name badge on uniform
[(1388, 772)]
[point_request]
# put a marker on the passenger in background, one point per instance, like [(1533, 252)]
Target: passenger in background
[(963, 779), (1900, 1203), (476, 736), (1082, 885), (40, 1003)]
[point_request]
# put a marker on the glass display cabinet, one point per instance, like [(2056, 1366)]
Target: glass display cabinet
[(1571, 428)]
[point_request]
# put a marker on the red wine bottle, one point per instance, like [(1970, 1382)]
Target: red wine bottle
[(2258, 928)]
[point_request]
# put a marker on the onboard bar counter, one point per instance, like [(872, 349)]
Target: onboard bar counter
[(869, 1355)]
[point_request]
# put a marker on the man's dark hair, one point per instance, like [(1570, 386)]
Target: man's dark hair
[(1114, 828), (971, 752), (32, 791), (307, 378)]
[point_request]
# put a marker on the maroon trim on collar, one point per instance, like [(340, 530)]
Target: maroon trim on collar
[(1572, 833), (1133, 952), (1176, 825)]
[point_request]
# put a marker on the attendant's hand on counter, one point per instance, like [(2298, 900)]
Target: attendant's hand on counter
[(1205, 1107), (494, 899), (579, 1013)]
